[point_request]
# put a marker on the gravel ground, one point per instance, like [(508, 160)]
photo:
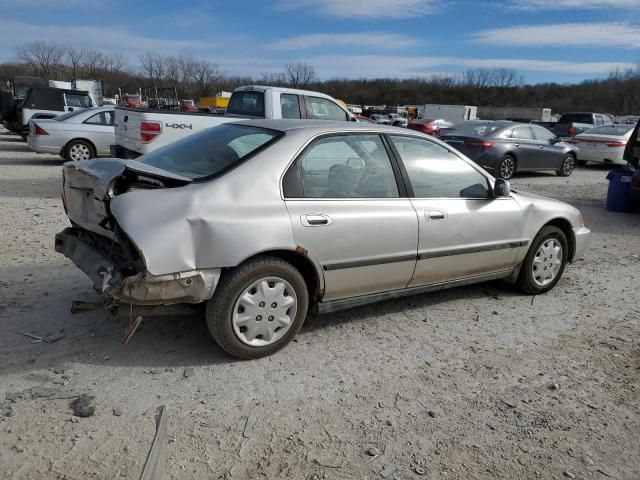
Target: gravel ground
[(470, 383)]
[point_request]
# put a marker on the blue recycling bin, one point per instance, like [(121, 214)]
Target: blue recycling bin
[(619, 193)]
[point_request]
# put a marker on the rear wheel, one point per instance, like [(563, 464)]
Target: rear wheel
[(78, 150), (545, 261), (507, 167), (257, 308), (567, 166)]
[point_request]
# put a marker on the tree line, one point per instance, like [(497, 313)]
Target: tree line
[(619, 93)]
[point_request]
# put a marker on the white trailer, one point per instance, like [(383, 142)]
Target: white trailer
[(450, 113)]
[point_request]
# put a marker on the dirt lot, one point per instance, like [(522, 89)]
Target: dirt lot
[(475, 382)]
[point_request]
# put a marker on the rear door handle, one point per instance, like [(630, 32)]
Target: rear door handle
[(517, 145), (540, 147), (315, 220), (435, 215)]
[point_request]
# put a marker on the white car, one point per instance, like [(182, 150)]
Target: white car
[(603, 144), (78, 135)]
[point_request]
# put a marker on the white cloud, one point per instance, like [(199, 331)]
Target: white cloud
[(384, 41), (364, 9), (568, 4), (564, 35), (391, 66), (399, 66), (107, 37)]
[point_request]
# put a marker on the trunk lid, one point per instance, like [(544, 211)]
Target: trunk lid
[(89, 185)]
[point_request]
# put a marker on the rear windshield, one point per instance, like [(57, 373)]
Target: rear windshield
[(248, 104), (479, 129), (78, 100), (576, 118), (212, 152), (617, 130), (64, 116)]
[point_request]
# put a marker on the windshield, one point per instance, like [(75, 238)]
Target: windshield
[(616, 130), (212, 152), (479, 129), (249, 104)]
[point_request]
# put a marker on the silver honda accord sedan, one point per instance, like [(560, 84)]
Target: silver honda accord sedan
[(264, 220)]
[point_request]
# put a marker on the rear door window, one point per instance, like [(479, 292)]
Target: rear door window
[(543, 134), (290, 105), (247, 104), (325, 109), (522, 133), (343, 166)]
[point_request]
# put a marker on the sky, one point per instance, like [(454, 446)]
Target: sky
[(561, 41)]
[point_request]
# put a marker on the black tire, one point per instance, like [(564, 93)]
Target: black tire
[(526, 281), (219, 309), (23, 135), (70, 150), (581, 163), (507, 167), (568, 165)]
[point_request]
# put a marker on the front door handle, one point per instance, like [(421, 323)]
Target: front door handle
[(315, 220), (435, 215), (516, 145), (540, 147)]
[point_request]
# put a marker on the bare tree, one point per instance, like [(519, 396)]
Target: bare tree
[(74, 59), (91, 62), (300, 74), (152, 67), (43, 58), (206, 76), (274, 79)]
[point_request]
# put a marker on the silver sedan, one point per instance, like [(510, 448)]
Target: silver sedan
[(264, 220), (78, 135)]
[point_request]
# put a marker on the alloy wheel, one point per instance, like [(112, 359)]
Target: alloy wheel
[(79, 151), (568, 165), (547, 262), (507, 167), (264, 311)]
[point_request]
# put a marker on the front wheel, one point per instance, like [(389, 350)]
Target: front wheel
[(545, 261), (567, 166), (507, 167), (78, 150), (257, 308)]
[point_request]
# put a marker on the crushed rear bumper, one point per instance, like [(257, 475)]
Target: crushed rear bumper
[(114, 280)]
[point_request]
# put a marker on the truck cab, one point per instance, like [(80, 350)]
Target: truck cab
[(46, 102)]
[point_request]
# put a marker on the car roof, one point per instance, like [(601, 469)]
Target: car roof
[(319, 126)]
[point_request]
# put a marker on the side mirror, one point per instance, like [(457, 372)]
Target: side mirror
[(354, 119), (501, 188)]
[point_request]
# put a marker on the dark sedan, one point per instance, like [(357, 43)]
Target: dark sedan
[(505, 148)]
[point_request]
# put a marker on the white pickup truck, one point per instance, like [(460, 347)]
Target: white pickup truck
[(139, 131)]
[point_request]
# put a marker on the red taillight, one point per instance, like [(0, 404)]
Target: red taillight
[(37, 129), (149, 131), (616, 144), (484, 145), (572, 131)]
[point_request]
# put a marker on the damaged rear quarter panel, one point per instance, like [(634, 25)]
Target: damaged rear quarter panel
[(212, 224)]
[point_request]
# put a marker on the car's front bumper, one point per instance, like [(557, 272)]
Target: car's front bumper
[(142, 288), (583, 237)]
